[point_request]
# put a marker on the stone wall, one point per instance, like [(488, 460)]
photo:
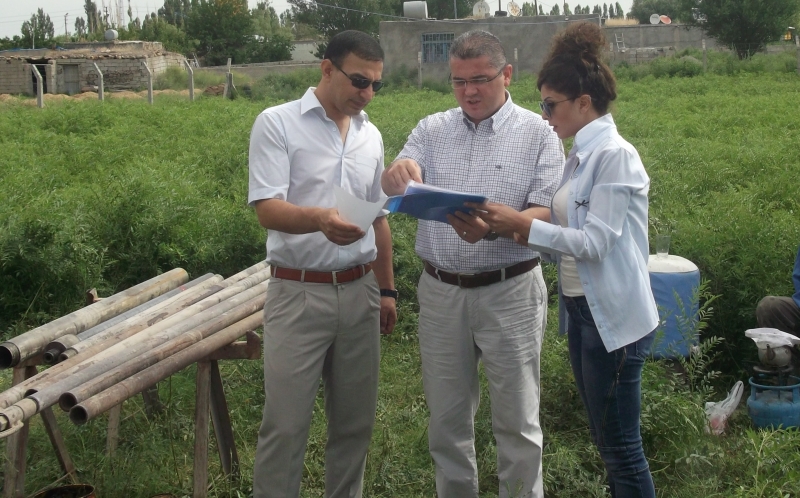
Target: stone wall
[(120, 71), (530, 38)]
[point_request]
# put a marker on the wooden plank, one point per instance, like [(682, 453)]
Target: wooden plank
[(14, 477), (222, 425), (201, 411), (240, 350), (57, 440), (114, 416)]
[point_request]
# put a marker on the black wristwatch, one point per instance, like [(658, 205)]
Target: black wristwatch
[(389, 293), (492, 235)]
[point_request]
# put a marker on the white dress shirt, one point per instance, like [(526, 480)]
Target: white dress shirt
[(297, 155), (513, 157), (607, 233)]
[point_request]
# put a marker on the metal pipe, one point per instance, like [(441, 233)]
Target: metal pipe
[(99, 403), (31, 343), (219, 316), (15, 393), (105, 356), (155, 355), (58, 346)]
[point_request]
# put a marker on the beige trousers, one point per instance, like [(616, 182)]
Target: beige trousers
[(500, 325), (314, 331)]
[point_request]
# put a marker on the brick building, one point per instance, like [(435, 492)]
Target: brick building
[(72, 70)]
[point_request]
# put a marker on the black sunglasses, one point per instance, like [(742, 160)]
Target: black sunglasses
[(547, 106), (361, 83)]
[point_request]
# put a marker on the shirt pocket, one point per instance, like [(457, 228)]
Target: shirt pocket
[(359, 174)]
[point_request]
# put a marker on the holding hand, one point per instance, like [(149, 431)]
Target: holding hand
[(398, 174), (468, 226), (336, 229), (506, 221)]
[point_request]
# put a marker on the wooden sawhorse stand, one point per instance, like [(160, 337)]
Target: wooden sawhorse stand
[(210, 398)]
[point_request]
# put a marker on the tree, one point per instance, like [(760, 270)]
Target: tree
[(156, 28), (567, 12), (597, 10), (38, 31), (80, 28), (340, 15), (620, 12), (744, 25), (222, 29), (439, 9), (528, 9), (93, 19), (643, 9), (541, 11), (555, 11)]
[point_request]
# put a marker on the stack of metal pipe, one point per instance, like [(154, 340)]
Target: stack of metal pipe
[(120, 346)]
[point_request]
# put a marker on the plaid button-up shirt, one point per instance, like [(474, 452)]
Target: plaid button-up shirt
[(514, 157)]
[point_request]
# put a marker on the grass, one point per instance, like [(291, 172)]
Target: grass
[(109, 194)]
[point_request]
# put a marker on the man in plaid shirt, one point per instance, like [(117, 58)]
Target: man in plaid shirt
[(482, 297)]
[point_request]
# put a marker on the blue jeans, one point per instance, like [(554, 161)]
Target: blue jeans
[(610, 386)]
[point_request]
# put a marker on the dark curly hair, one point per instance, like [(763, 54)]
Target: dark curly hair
[(575, 66)]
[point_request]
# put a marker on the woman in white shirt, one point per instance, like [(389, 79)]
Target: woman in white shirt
[(598, 236)]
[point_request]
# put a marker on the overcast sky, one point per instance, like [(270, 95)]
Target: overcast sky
[(14, 12)]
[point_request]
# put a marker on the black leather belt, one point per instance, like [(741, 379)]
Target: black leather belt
[(471, 280)]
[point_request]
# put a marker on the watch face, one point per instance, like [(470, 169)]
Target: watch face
[(491, 236)]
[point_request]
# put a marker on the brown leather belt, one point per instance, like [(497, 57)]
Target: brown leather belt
[(322, 277), (470, 280)]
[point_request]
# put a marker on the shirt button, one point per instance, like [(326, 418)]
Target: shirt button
[(575, 176)]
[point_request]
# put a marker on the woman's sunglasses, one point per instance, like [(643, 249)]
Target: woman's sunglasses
[(361, 83)]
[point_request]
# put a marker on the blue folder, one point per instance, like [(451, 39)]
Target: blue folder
[(434, 206)]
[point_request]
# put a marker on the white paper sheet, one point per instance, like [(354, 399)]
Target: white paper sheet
[(356, 211)]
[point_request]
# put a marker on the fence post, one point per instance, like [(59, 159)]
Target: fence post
[(39, 89), (797, 43), (100, 94), (516, 65), (705, 57), (419, 69), (191, 81), (228, 81), (149, 83)]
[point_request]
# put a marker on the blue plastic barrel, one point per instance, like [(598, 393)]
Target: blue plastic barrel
[(674, 281)]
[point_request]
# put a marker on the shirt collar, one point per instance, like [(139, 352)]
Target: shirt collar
[(497, 119), (309, 102), (600, 127)]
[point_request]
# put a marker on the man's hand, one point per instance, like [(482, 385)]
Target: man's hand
[(468, 226), (336, 229), (388, 315), (502, 219), (398, 174)]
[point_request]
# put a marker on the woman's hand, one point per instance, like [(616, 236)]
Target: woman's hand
[(504, 220)]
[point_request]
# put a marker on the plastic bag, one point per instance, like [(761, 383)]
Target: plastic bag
[(719, 412), (772, 337)]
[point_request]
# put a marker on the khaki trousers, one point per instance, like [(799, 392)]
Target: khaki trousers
[(500, 325), (314, 331)]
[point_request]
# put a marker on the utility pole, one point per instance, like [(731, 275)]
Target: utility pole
[(455, 9), (33, 34), (66, 31)]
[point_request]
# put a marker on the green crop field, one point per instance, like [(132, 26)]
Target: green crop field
[(109, 194)]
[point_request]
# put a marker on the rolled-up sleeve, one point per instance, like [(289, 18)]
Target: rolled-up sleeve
[(268, 160), (415, 147), (547, 169)]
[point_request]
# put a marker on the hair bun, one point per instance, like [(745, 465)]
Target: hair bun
[(584, 40)]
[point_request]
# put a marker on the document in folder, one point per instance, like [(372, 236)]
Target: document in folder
[(430, 203)]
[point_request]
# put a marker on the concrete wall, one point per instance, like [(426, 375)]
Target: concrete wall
[(530, 36)]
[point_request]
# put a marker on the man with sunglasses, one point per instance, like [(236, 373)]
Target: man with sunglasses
[(482, 298), (332, 289)]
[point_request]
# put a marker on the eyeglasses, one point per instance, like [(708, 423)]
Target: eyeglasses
[(459, 83), (361, 83), (547, 106)]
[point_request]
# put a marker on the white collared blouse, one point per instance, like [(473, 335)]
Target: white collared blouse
[(606, 233)]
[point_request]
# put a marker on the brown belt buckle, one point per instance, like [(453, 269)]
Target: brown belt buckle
[(459, 275)]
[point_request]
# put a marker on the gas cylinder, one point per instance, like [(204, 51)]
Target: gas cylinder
[(774, 406)]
